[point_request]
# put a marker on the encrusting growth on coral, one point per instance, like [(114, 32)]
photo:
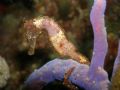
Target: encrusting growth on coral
[(66, 77), (56, 36)]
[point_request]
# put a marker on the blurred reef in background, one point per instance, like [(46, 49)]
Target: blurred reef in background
[(72, 15)]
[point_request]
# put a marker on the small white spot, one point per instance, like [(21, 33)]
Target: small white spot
[(93, 53), (87, 79), (54, 71), (38, 22), (94, 82), (99, 68), (35, 70), (78, 75), (45, 68)]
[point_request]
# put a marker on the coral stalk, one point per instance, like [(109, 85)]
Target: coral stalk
[(56, 70), (53, 70), (100, 37)]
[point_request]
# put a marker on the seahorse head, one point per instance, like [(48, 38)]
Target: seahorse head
[(31, 35)]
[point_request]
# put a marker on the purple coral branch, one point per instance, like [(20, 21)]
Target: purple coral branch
[(117, 61), (56, 69), (100, 37), (53, 70)]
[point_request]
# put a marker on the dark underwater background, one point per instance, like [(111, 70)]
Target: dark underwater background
[(71, 15)]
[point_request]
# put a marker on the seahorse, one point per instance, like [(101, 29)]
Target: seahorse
[(56, 36)]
